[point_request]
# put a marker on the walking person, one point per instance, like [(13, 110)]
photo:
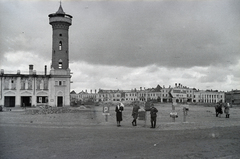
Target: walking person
[(135, 114), (119, 108), (226, 110)]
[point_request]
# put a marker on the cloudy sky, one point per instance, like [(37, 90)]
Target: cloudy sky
[(129, 44)]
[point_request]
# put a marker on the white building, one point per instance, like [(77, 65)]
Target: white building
[(32, 89)]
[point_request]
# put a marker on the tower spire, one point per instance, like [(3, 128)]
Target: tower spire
[(60, 9)]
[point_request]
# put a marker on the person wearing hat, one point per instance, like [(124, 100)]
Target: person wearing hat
[(153, 114)]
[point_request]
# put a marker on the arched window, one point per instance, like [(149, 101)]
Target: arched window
[(60, 45), (60, 64)]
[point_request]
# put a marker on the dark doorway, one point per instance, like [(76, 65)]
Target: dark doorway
[(9, 101), (59, 101), (26, 101)]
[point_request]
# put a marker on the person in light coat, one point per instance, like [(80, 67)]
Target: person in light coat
[(226, 110)]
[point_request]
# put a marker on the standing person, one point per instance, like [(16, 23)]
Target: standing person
[(119, 108), (135, 114), (226, 110), (153, 114), (218, 108)]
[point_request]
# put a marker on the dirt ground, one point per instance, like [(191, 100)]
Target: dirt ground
[(86, 133)]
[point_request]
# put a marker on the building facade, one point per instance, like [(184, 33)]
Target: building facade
[(233, 97), (32, 89), (159, 94), (208, 96)]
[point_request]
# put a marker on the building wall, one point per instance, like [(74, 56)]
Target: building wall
[(233, 97), (183, 94), (33, 90), (212, 97)]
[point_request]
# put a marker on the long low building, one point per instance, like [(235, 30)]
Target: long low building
[(158, 94)]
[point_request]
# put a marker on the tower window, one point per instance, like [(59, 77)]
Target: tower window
[(60, 45), (60, 64), (60, 34)]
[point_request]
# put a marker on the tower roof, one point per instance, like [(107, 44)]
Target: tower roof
[(60, 10), (60, 13)]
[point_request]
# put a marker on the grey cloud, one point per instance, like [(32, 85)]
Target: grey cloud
[(140, 34), (133, 34)]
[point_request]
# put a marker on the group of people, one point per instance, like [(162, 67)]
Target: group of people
[(153, 113), (219, 107)]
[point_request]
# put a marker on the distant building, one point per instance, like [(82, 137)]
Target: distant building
[(73, 98), (85, 96), (158, 94), (233, 97), (208, 96), (32, 89), (165, 96), (110, 95), (182, 93)]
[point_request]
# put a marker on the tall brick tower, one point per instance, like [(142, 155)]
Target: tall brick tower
[(60, 73), (60, 24)]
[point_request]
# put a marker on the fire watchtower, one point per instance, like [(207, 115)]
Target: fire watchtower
[(60, 24), (60, 72)]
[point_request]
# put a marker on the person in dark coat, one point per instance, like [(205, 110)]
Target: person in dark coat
[(218, 108), (153, 114), (135, 114), (119, 108)]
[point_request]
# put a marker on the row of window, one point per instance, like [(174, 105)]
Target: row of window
[(60, 83), (211, 96), (177, 91), (42, 99)]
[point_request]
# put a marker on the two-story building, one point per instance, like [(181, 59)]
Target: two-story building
[(33, 88)]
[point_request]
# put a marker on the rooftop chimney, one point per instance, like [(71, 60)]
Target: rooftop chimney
[(30, 69), (45, 70)]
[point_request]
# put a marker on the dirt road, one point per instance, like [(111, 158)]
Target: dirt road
[(86, 134)]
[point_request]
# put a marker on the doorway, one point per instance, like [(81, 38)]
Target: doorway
[(26, 101), (59, 101), (9, 101)]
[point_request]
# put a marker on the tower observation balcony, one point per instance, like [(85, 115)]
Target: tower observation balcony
[(60, 16), (58, 19)]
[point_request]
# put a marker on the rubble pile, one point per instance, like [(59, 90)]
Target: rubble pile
[(51, 110)]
